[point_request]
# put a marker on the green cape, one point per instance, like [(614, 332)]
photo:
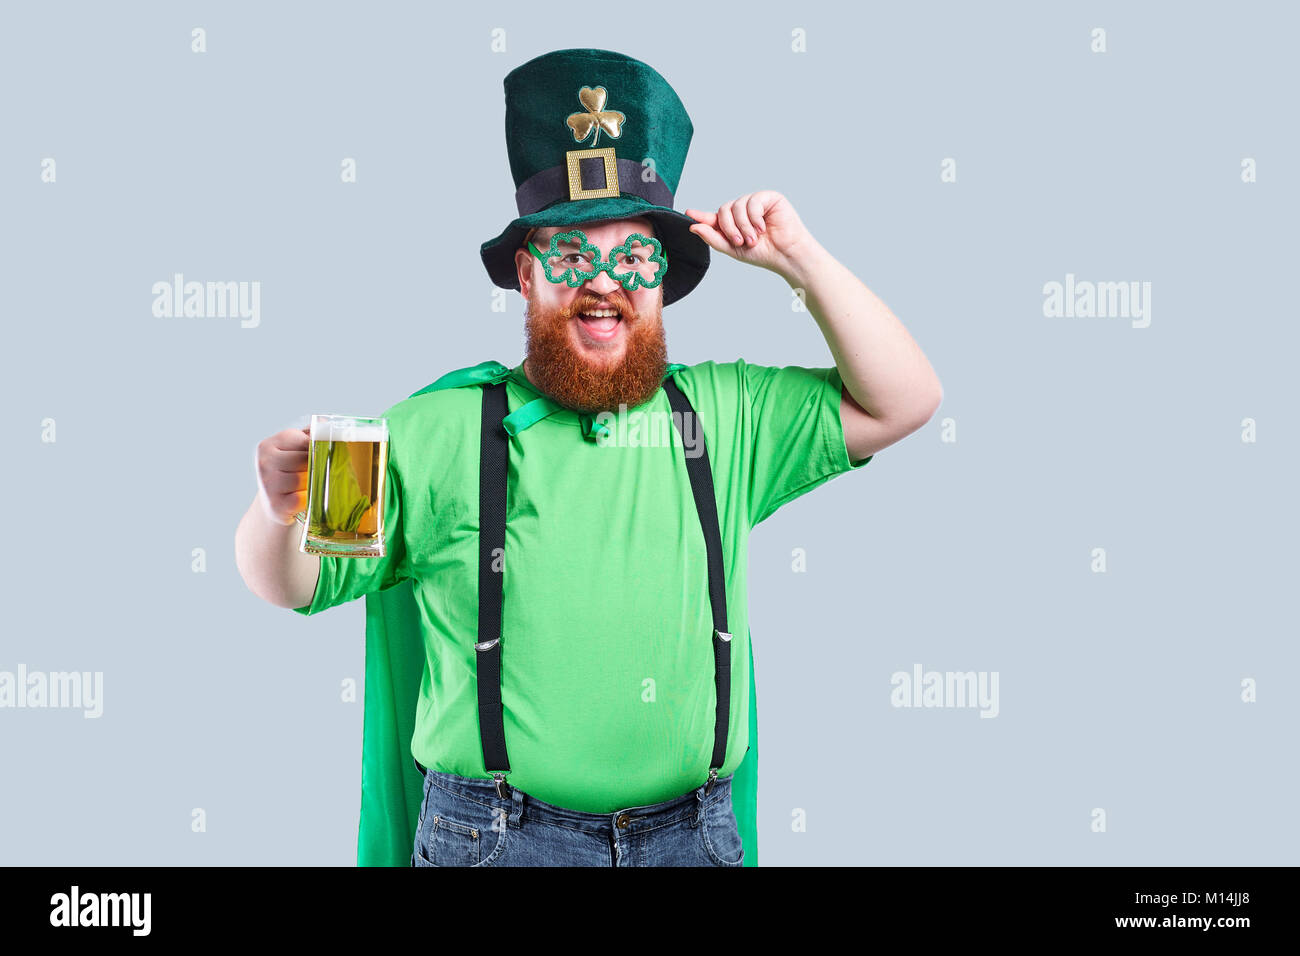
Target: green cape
[(392, 787)]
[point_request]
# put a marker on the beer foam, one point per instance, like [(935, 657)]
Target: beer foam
[(336, 431)]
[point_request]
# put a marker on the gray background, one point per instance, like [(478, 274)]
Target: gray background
[(1118, 690)]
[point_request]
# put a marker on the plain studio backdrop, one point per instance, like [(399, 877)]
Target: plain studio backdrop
[(1101, 513)]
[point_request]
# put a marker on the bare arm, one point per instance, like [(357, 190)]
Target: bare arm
[(890, 390), (266, 541)]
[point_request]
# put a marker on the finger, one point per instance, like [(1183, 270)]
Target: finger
[(293, 439), (709, 218), (743, 223), (756, 207), (712, 237), (279, 513), (279, 460), (727, 225), (284, 506), (280, 484), (276, 452)]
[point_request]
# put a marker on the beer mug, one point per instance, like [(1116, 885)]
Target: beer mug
[(347, 465)]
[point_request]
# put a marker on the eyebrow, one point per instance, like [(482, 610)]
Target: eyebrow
[(541, 243)]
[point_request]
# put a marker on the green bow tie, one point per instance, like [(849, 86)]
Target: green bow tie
[(534, 411), (542, 406)]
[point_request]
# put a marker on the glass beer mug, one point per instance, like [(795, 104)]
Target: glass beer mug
[(346, 470)]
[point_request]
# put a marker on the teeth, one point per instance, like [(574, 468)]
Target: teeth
[(602, 313)]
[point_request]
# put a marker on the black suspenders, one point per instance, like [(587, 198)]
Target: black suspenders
[(492, 536), (707, 509), (493, 452)]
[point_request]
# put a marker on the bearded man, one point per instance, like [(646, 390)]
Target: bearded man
[(558, 659)]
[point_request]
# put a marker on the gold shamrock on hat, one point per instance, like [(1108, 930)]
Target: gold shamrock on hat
[(596, 116)]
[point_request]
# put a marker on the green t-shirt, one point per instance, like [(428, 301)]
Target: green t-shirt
[(607, 680)]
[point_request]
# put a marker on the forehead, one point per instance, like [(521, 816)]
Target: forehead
[(600, 233)]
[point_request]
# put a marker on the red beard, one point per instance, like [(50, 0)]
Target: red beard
[(587, 381)]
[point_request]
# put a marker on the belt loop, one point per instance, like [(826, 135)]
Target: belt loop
[(516, 813)]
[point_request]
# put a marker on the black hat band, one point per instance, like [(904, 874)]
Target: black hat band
[(586, 175)]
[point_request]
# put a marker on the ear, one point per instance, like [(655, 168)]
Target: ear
[(524, 270)]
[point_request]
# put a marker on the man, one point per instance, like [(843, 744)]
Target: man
[(573, 532)]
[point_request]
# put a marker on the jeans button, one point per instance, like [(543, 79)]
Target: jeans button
[(622, 820)]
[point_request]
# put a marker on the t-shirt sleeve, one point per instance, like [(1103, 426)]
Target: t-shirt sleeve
[(345, 579), (796, 434)]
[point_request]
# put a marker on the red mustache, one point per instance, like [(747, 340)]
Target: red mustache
[(589, 302)]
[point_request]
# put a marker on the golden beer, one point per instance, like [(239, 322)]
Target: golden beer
[(346, 469)]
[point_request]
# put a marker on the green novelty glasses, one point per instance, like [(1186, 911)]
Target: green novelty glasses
[(639, 262)]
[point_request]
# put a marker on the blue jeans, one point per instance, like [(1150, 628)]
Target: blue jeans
[(464, 823)]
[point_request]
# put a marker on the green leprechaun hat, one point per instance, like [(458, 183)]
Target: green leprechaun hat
[(594, 135)]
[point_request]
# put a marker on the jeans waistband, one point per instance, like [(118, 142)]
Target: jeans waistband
[(629, 818)]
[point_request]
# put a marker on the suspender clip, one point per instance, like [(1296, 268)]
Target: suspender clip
[(713, 775), (502, 791), (722, 634)]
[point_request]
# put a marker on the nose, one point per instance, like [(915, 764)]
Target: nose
[(602, 283)]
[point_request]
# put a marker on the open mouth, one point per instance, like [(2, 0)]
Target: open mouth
[(601, 324)]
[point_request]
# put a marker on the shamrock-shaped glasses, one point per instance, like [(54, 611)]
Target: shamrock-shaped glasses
[(638, 262)]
